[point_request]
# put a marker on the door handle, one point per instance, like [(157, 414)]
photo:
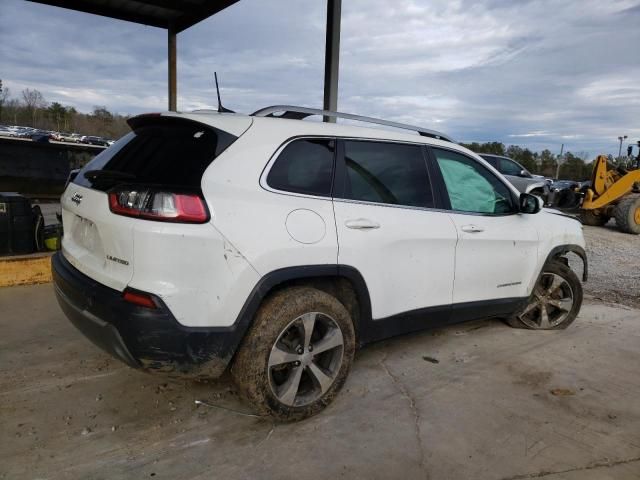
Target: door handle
[(361, 224), (471, 229)]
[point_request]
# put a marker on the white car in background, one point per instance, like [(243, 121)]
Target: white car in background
[(6, 132), (274, 247)]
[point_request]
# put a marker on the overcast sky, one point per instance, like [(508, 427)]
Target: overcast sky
[(536, 73)]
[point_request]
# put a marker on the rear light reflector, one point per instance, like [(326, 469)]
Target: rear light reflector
[(141, 299), (159, 205)]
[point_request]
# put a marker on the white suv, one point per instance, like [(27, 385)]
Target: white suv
[(275, 246)]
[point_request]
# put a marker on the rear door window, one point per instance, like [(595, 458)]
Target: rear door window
[(383, 172), (163, 151), (304, 166)]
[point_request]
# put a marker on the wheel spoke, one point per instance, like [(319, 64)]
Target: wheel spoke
[(323, 379), (555, 284), (308, 322), (331, 340), (531, 306), (289, 389), (544, 316), (279, 356), (563, 304)]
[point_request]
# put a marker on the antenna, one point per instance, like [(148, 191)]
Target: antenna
[(221, 109)]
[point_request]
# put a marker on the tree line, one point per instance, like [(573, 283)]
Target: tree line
[(31, 109), (572, 166)]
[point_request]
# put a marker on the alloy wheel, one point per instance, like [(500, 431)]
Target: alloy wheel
[(305, 359), (550, 304)]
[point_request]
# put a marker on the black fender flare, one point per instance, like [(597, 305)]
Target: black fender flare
[(561, 250), (272, 279)]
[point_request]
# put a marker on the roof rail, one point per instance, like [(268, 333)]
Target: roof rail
[(299, 113)]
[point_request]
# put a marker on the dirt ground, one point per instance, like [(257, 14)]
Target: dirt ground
[(614, 265), (477, 401)]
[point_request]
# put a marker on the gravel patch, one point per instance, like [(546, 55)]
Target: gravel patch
[(614, 265)]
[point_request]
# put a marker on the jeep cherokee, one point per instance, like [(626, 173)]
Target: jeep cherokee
[(273, 247)]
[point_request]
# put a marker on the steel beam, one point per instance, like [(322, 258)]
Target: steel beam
[(173, 74), (332, 57)]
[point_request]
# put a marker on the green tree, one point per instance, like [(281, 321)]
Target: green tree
[(34, 102), (57, 113), (572, 168), (102, 114), (4, 96), (515, 152), (527, 160), (548, 164), (495, 148)]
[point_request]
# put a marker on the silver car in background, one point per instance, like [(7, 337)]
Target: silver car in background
[(519, 176)]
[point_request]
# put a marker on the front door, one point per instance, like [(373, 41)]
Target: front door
[(497, 248), (388, 230)]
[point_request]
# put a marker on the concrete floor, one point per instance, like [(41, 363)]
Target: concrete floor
[(498, 404)]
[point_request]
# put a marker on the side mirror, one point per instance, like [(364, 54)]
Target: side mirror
[(524, 173), (530, 203)]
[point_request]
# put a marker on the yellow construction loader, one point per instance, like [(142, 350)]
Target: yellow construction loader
[(614, 192)]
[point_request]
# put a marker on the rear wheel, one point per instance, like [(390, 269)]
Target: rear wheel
[(627, 214), (297, 355), (589, 217), (555, 301)]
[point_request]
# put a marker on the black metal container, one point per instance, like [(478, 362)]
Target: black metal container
[(17, 225)]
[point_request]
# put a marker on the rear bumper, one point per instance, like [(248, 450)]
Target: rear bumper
[(150, 339)]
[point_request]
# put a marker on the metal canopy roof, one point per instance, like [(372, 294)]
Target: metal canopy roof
[(178, 15), (175, 15)]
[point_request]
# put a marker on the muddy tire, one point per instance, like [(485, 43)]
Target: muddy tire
[(588, 217), (555, 301), (296, 357), (627, 214)]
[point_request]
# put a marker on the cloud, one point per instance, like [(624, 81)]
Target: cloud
[(534, 72)]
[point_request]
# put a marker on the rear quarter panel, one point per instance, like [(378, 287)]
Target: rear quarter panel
[(254, 219)]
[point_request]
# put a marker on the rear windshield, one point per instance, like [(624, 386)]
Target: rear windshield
[(169, 152)]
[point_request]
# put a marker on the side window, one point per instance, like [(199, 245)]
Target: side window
[(304, 166), (493, 161), (390, 173), (509, 167), (471, 187)]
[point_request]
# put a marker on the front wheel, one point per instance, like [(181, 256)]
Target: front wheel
[(297, 355), (627, 214), (555, 301)]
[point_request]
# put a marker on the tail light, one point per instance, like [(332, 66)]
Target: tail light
[(139, 298), (159, 205)]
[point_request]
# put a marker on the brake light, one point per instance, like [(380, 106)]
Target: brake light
[(140, 299), (158, 205)]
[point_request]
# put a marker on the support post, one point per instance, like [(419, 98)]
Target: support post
[(173, 74), (558, 163), (332, 57)]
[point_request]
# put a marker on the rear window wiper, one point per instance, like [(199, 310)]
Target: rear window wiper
[(94, 175)]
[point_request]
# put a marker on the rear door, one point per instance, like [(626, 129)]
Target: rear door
[(497, 248), (388, 230), (170, 152)]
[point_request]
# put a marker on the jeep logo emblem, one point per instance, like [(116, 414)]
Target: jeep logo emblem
[(76, 198)]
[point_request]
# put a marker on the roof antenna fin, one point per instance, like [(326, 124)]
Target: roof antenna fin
[(221, 109)]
